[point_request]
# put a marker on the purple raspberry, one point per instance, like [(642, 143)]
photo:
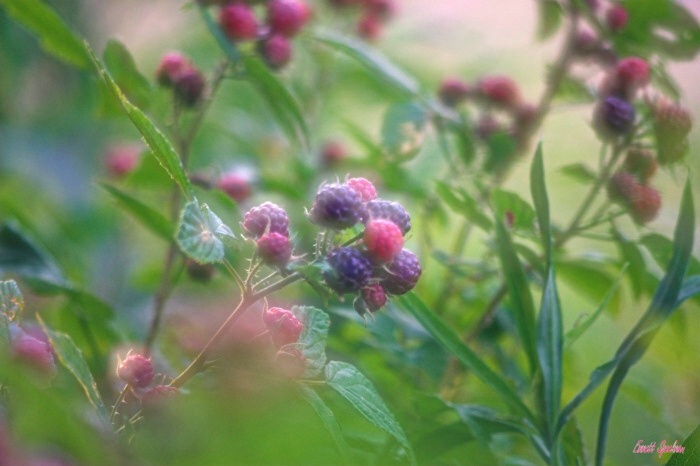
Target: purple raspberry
[(374, 297), (403, 273), (615, 116), (387, 210), (350, 270), (267, 217), (337, 206), (189, 87), (275, 249)]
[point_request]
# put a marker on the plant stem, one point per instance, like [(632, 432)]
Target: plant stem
[(122, 394)]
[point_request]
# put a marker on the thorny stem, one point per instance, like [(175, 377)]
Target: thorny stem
[(184, 144), (118, 402)]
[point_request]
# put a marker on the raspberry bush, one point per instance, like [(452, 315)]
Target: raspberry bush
[(289, 232)]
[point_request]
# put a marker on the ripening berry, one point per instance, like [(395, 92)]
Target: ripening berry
[(364, 188), (640, 162), (500, 90), (239, 22), (646, 205), (387, 210), (374, 297), (487, 126), (171, 65), (136, 370), (189, 86), (351, 269), (672, 123), (122, 159), (383, 240), (158, 395), (275, 249), (623, 187), (384, 9), (614, 117), (632, 73), (287, 17), (402, 273), (336, 206), (586, 41), (267, 217), (284, 326), (34, 352), (276, 51), (332, 153), (453, 91), (197, 272), (617, 17), (370, 27), (235, 185)]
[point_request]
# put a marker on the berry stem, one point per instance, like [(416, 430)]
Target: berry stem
[(119, 401)]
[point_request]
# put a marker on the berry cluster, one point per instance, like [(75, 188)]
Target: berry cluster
[(630, 186), (177, 72), (268, 225), (376, 266), (373, 15), (138, 373), (284, 20)]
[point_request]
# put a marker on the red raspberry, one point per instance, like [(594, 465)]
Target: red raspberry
[(646, 206), (672, 123), (383, 240), (171, 65), (202, 273), (122, 159), (239, 22), (364, 188), (623, 187), (617, 18), (33, 351), (374, 297), (158, 394), (189, 86), (500, 90), (284, 326), (236, 185), (453, 91), (632, 73), (640, 162), (332, 153), (370, 27), (136, 370), (276, 50), (288, 17), (275, 249), (402, 273), (267, 217)]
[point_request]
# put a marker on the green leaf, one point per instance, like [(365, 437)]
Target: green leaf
[(327, 418), (691, 455), (312, 341), (519, 293), (11, 300), (573, 90), (123, 69), (579, 172), (200, 233), (661, 249), (690, 288), (149, 217), (541, 201), (575, 453), (522, 211), (361, 394), (632, 254), (444, 335), (155, 139), (551, 14), (54, 35), (462, 203), (404, 128), (589, 278), (72, 359), (372, 60)]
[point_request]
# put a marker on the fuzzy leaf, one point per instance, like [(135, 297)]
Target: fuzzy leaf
[(327, 418), (200, 233), (122, 67), (312, 341)]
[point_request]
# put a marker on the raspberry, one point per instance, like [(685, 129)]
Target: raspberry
[(336, 206), (364, 188), (350, 270), (403, 273), (500, 90), (646, 205), (122, 159), (383, 240), (288, 17), (387, 210), (33, 351), (239, 22), (136, 370), (623, 187), (202, 273), (158, 394), (614, 116), (640, 162), (617, 18), (332, 153), (284, 326), (383, 9), (189, 87), (267, 217), (374, 297), (672, 123), (370, 27), (632, 73), (453, 91), (586, 41), (236, 185), (171, 65), (277, 51), (275, 249)]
